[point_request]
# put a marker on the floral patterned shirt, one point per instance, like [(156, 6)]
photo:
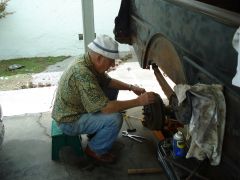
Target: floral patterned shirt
[(79, 91)]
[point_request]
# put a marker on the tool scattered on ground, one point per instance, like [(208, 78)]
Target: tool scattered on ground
[(130, 126), (145, 171), (128, 122), (134, 137)]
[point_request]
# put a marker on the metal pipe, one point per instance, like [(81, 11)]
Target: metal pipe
[(163, 83), (88, 22)]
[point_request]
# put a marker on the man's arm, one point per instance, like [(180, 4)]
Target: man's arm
[(118, 106), (114, 83)]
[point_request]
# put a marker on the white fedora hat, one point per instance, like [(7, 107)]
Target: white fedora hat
[(106, 46)]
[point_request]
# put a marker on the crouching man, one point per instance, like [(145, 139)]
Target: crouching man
[(86, 102)]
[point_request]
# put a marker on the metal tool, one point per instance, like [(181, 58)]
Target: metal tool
[(134, 137), (130, 126), (128, 122), (145, 171)]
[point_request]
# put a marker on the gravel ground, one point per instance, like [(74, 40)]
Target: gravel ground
[(49, 77), (24, 81), (15, 82)]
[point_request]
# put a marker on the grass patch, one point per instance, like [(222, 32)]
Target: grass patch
[(31, 65)]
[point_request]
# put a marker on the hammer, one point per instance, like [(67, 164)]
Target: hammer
[(145, 171), (129, 124)]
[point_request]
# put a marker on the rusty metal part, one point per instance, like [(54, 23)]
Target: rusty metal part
[(161, 51), (154, 114), (162, 81)]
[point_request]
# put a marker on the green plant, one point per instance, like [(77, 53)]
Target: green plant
[(3, 5), (30, 65)]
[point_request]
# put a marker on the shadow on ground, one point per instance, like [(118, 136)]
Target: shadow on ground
[(26, 153)]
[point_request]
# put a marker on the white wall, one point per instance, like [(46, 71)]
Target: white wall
[(51, 27)]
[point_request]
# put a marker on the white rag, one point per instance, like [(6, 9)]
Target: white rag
[(236, 45), (207, 123)]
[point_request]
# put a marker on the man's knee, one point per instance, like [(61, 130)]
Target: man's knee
[(115, 119)]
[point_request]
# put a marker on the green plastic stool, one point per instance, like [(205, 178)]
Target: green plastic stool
[(59, 140)]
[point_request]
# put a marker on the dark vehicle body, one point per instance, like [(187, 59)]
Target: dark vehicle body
[(191, 42)]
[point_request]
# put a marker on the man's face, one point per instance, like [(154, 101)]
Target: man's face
[(105, 63)]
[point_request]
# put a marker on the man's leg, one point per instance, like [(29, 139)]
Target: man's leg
[(105, 127), (112, 94), (102, 128)]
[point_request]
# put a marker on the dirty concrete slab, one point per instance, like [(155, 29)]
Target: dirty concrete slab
[(26, 153), (26, 150)]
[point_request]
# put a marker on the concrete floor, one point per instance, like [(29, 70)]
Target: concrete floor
[(26, 150), (26, 153)]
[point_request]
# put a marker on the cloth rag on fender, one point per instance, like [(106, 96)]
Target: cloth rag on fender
[(207, 123)]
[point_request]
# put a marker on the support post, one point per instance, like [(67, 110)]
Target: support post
[(88, 22)]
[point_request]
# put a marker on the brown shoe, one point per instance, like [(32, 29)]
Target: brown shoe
[(105, 158)]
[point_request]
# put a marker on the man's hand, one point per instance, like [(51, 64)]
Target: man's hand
[(146, 98), (118, 106), (137, 90)]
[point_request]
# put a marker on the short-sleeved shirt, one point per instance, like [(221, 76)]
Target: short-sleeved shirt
[(79, 91)]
